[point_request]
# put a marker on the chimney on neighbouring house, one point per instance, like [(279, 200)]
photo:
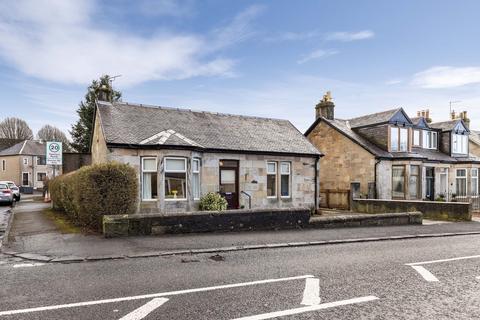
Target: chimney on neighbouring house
[(464, 117), (325, 108), (103, 93), (425, 114)]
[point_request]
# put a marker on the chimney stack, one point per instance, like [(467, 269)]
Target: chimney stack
[(325, 108), (425, 114), (103, 93), (464, 117)]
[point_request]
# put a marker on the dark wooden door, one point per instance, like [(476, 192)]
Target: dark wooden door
[(430, 178), (229, 182)]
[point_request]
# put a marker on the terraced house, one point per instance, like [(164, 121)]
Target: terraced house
[(389, 155), (181, 155)]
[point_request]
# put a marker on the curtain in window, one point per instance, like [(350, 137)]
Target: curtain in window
[(147, 186), (398, 182)]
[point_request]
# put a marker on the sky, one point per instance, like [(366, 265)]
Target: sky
[(263, 58)]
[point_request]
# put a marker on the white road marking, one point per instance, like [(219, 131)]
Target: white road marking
[(28, 265), (290, 312), (443, 260), (149, 296), (311, 294), (427, 275), (145, 310)]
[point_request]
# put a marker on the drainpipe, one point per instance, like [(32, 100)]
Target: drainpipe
[(316, 182), (375, 177)]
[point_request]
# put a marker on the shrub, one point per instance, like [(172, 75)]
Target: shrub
[(91, 192), (213, 202)]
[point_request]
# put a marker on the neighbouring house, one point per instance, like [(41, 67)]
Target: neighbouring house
[(180, 155), (25, 164), (7, 143), (388, 155)]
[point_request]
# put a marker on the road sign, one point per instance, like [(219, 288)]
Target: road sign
[(54, 153)]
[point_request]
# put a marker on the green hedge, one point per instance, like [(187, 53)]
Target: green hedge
[(91, 192), (213, 202)]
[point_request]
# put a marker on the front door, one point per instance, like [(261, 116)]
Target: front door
[(430, 180), (229, 182), (444, 183)]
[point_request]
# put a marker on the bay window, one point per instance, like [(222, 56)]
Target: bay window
[(398, 139), (461, 180), (271, 179), (460, 144), (285, 179), (430, 139), (398, 182), (196, 179), (474, 182), (176, 178), (149, 179)]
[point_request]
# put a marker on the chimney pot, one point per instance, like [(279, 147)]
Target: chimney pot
[(325, 108)]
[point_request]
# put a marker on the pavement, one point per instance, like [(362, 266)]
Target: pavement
[(430, 278), (5, 212), (35, 237)]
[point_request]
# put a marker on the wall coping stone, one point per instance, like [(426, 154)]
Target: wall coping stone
[(411, 201)]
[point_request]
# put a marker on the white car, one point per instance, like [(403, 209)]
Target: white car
[(14, 188), (6, 195)]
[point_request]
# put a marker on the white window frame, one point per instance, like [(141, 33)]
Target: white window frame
[(415, 133), (459, 141), (397, 132), (176, 171), (289, 174), (4, 165), (400, 140), (25, 161), (430, 139), (276, 179), (36, 175), (474, 181), (148, 171), (197, 160), (463, 178)]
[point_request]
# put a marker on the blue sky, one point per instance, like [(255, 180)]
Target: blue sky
[(264, 58)]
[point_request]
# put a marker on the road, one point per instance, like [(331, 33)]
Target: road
[(379, 280)]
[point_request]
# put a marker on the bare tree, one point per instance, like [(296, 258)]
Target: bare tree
[(15, 128), (51, 133)]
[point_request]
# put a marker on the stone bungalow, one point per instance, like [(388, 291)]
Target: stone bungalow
[(389, 155), (181, 155)]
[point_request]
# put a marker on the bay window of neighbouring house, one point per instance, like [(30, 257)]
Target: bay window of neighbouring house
[(285, 179), (398, 139), (149, 179), (430, 139), (196, 179), (175, 178), (416, 138), (398, 182), (271, 179), (414, 182), (474, 182), (461, 182), (460, 144)]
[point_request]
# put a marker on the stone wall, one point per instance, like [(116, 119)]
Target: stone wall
[(344, 161), (379, 135), (453, 211), (444, 142), (252, 178), (474, 149), (12, 169), (74, 161), (99, 146), (231, 220)]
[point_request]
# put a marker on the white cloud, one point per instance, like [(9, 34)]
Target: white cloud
[(294, 36), (68, 47), (317, 54), (350, 36), (175, 8), (392, 82), (446, 77)]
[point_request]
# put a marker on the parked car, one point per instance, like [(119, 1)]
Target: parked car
[(6, 195), (14, 188)]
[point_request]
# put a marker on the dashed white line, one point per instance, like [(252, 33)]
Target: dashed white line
[(311, 294), (290, 312), (148, 296), (28, 265), (427, 275), (145, 310)]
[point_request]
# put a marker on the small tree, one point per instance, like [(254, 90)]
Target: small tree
[(51, 133), (15, 128), (82, 130)]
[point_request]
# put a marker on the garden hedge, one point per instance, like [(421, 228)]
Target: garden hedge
[(91, 192)]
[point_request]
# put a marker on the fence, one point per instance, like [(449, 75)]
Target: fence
[(473, 198)]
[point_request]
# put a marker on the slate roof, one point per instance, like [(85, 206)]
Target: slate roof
[(7, 143), (374, 118), (27, 147), (139, 125), (446, 125)]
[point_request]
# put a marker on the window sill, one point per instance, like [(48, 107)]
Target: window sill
[(149, 200), (180, 199)]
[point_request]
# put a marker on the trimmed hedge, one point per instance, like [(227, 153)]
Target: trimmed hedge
[(213, 202), (91, 192)]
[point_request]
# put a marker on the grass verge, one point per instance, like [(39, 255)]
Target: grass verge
[(62, 222)]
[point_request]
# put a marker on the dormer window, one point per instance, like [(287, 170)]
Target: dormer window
[(416, 138), (430, 139), (398, 139), (459, 144)]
